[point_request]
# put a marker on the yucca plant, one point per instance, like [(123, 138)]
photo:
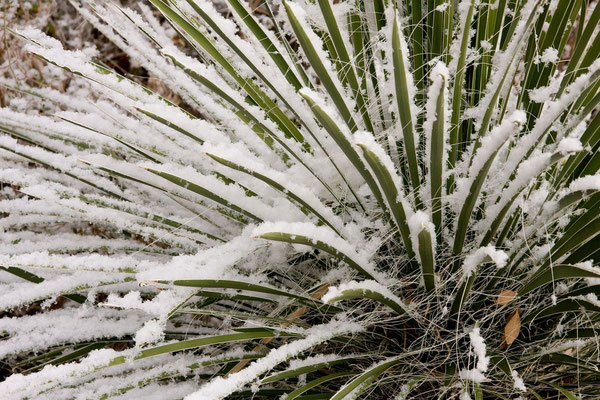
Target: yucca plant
[(356, 199)]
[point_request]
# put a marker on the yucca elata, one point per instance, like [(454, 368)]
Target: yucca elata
[(357, 199)]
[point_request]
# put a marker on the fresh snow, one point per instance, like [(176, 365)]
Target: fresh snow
[(473, 260), (519, 384), (479, 349)]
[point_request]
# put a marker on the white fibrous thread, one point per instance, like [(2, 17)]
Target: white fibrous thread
[(477, 374)]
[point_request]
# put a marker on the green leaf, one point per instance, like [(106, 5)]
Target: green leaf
[(262, 38), (317, 64), (554, 273), (562, 307), (403, 99), (306, 369), (317, 244), (184, 183), (346, 74), (345, 145), (426, 250), (277, 186), (569, 395), (350, 294), (195, 343), (436, 167), (361, 383), (239, 285), (317, 382), (392, 195)]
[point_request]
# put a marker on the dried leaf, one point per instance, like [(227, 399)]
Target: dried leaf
[(512, 328), (505, 296)]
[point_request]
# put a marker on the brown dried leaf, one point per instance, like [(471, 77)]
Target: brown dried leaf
[(512, 328), (505, 296)]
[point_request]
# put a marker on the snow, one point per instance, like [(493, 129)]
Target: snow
[(585, 183), (291, 183), (485, 45), (545, 93), (29, 333), (442, 7), (366, 139), (556, 348), (569, 145), (212, 263), (592, 298), (519, 384), (151, 332), (465, 395), (477, 374), (527, 171), (588, 266), (22, 386), (16, 294), (473, 375), (549, 56), (473, 260), (552, 110), (160, 304)]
